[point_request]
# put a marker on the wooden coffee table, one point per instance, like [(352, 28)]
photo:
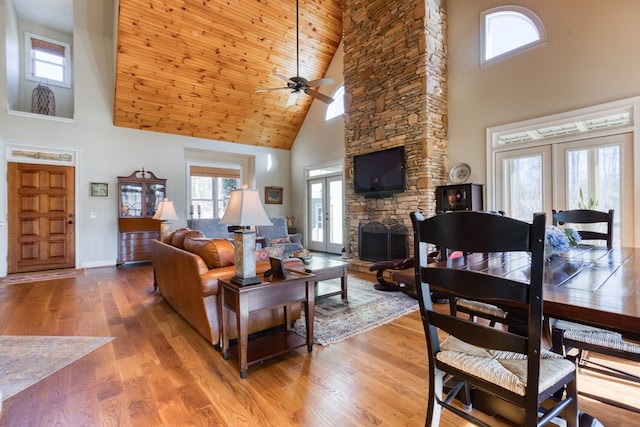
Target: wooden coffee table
[(297, 287), (325, 269)]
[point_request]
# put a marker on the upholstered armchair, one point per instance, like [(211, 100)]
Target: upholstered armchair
[(276, 235), (210, 228)]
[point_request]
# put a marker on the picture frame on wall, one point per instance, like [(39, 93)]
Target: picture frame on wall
[(273, 195), (99, 189)]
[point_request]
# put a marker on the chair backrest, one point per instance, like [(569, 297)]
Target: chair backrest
[(492, 238), (587, 216), (277, 230)]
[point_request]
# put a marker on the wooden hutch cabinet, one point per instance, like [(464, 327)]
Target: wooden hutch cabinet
[(138, 198)]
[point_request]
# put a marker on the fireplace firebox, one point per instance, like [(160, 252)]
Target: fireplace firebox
[(381, 242)]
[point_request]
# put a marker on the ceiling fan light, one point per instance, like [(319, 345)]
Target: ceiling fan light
[(293, 98)]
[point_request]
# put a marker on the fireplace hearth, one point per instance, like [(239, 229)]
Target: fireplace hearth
[(382, 242)]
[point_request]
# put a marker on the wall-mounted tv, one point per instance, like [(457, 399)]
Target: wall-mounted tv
[(380, 173)]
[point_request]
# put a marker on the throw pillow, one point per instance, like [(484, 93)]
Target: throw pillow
[(280, 240), (215, 253), (181, 234), (269, 251)]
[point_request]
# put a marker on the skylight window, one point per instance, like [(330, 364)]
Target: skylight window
[(509, 30), (336, 108)]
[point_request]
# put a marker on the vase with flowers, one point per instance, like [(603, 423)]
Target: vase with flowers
[(559, 239)]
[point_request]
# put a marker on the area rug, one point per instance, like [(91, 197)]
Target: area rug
[(367, 308), (25, 360), (38, 276)]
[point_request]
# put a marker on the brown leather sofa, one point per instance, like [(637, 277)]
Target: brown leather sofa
[(187, 267)]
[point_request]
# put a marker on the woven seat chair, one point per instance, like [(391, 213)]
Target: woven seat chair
[(577, 340), (466, 354)]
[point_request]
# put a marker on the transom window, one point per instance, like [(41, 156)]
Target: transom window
[(336, 108), (508, 30), (47, 60), (210, 190)]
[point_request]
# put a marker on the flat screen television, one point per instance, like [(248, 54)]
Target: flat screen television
[(380, 173)]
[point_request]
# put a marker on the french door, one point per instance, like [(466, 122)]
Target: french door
[(591, 173), (326, 216)]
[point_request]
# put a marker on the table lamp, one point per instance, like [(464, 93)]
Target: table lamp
[(164, 213), (245, 209)]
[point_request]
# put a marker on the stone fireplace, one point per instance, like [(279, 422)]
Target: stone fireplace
[(396, 84)]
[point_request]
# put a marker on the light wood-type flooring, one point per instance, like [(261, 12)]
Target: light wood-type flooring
[(159, 371)]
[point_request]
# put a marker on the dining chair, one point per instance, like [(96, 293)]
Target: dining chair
[(467, 354), (493, 313), (576, 340), (587, 216)]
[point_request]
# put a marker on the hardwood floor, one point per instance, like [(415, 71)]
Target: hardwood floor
[(159, 371)]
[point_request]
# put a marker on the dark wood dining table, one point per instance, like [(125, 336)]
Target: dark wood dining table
[(587, 284)]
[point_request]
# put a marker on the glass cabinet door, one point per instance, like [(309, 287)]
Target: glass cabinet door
[(154, 195), (130, 199)]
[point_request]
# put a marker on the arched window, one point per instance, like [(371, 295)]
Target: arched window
[(336, 108), (508, 30)]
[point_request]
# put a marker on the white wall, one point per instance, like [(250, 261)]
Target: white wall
[(318, 143), (591, 57), (105, 151)]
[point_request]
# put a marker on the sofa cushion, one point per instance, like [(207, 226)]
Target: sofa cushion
[(168, 238), (216, 253), (181, 234), (269, 251)]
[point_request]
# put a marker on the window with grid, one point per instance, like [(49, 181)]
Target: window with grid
[(211, 189), (47, 60)]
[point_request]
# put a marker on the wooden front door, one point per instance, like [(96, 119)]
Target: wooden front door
[(41, 201)]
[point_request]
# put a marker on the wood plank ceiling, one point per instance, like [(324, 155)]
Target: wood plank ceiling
[(192, 67)]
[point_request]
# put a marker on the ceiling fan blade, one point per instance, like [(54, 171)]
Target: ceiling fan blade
[(319, 96), (271, 88), (293, 98), (321, 82), (281, 77)]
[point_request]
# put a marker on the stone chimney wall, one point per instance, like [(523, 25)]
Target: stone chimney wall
[(395, 73)]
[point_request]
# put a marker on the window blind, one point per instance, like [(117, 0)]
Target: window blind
[(44, 46), (214, 172)]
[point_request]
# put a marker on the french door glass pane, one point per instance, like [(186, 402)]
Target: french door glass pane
[(594, 172), (317, 212), (523, 186), (335, 211)]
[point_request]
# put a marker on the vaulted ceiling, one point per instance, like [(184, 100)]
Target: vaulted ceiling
[(192, 67)]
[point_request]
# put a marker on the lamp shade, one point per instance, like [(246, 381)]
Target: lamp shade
[(165, 211), (245, 209)]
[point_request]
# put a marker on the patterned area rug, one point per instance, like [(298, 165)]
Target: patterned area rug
[(25, 360), (367, 308), (38, 276)]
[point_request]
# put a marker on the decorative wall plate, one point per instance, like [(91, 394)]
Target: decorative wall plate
[(459, 173)]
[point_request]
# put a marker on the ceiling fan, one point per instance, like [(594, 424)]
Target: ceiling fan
[(299, 84)]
